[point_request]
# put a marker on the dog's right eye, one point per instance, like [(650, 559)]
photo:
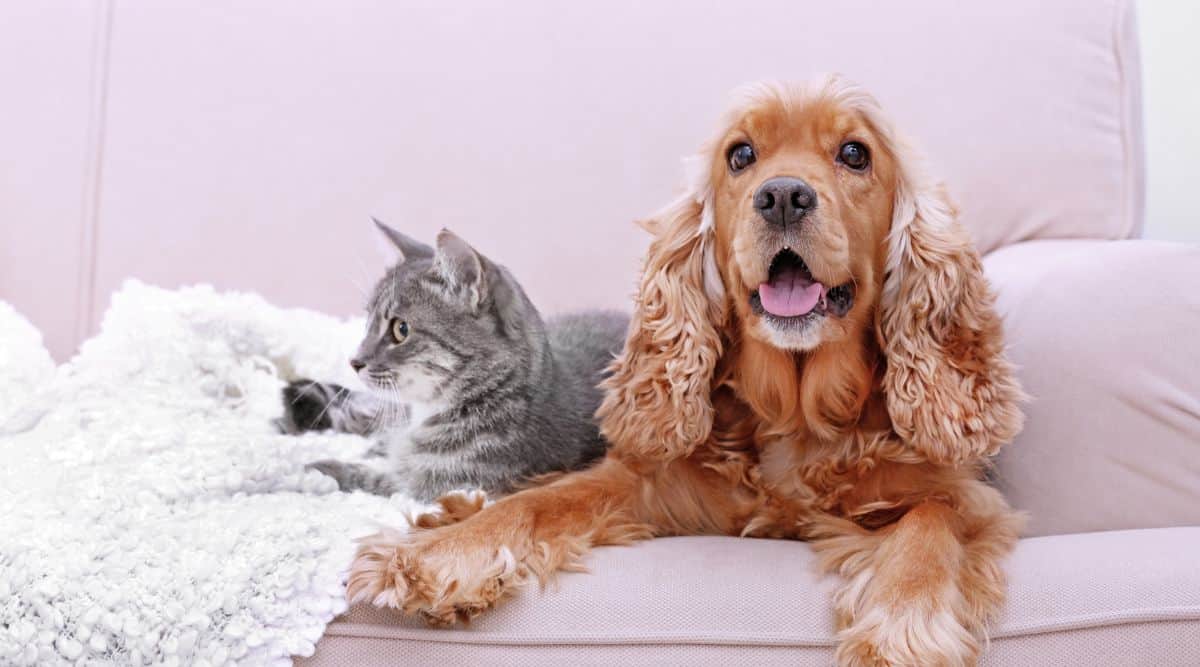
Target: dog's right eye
[(741, 156)]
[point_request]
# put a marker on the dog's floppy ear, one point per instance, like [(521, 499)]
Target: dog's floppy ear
[(951, 393), (658, 402)]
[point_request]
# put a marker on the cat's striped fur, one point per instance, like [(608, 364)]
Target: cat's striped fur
[(479, 393)]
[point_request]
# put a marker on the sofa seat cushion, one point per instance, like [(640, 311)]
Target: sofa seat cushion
[(1129, 597), (1106, 338)]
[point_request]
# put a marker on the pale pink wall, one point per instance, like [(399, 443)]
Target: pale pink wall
[(47, 146), (246, 144)]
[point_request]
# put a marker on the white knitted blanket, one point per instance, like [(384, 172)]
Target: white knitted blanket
[(149, 512)]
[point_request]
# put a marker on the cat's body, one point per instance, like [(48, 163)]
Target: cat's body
[(469, 387)]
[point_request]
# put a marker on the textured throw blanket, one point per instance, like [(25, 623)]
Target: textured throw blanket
[(149, 512)]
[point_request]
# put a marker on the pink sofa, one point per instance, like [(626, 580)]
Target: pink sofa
[(245, 146)]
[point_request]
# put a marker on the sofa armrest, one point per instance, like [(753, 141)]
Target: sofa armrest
[(1106, 337)]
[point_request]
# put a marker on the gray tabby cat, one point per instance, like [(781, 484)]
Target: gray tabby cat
[(468, 387)]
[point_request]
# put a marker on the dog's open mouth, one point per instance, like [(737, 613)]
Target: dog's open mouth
[(792, 292)]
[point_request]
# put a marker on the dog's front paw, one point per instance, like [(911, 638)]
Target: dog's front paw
[(434, 574), (911, 637), (453, 507), (305, 408)]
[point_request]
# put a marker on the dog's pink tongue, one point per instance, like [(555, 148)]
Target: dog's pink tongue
[(790, 294)]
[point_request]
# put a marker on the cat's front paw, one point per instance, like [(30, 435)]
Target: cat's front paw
[(305, 408), (330, 468), (357, 477)]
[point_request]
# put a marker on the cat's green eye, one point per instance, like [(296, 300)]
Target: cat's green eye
[(399, 330)]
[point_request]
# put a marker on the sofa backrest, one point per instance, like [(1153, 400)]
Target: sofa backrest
[(246, 145)]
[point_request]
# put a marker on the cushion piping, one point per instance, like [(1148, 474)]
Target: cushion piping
[(1065, 624)]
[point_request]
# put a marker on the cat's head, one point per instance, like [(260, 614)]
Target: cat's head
[(439, 316)]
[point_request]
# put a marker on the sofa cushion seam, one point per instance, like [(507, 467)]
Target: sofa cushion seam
[(1065, 624)]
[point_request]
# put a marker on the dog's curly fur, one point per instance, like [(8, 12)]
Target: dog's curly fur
[(864, 434)]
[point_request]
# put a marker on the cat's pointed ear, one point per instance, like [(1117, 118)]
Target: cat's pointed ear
[(460, 266), (407, 247)]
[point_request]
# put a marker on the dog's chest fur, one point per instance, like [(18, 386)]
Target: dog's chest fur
[(870, 479)]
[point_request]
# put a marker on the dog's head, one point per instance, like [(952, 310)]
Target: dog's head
[(801, 189), (811, 242)]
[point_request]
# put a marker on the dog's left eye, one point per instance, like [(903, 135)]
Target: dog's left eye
[(741, 156), (854, 155)]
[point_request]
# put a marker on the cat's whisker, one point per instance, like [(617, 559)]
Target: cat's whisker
[(373, 422), (337, 395), (381, 416), (358, 282), (362, 281), (299, 395), (395, 404)]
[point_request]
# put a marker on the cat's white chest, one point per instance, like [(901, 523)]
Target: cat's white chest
[(400, 438)]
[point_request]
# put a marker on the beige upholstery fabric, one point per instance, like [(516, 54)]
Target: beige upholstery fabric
[(1128, 598), (1157, 644), (1107, 338)]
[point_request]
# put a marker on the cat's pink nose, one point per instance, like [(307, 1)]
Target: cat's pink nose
[(357, 365)]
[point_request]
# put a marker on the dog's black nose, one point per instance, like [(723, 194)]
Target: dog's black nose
[(357, 365), (784, 200)]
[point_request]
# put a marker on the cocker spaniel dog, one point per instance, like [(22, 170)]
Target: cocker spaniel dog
[(813, 355)]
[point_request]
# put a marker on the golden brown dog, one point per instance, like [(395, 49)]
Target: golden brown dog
[(813, 355)]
